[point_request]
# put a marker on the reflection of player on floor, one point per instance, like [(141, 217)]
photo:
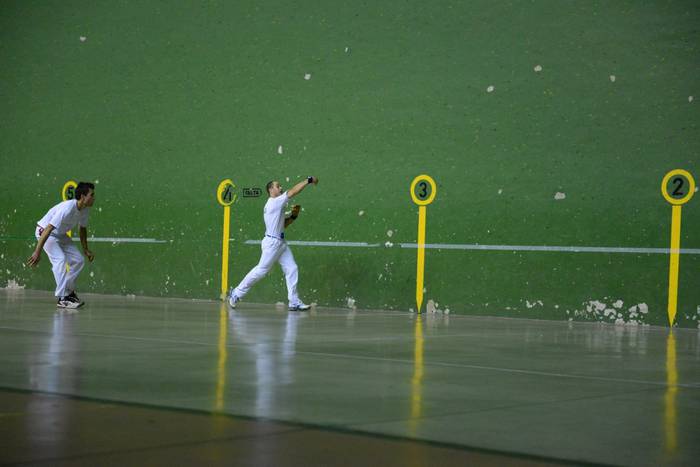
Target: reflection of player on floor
[(274, 248), (51, 233)]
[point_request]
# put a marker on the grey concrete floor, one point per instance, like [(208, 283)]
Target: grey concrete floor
[(146, 381)]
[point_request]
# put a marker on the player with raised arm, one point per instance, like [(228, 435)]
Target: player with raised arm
[(274, 247)]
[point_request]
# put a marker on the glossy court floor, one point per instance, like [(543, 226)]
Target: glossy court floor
[(144, 381)]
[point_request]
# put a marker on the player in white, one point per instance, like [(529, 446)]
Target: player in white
[(274, 248), (51, 233)]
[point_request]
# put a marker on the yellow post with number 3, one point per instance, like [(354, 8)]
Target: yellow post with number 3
[(423, 191)]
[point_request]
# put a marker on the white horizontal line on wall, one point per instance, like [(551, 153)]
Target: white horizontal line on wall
[(122, 240), (476, 246), (310, 243), (568, 249)]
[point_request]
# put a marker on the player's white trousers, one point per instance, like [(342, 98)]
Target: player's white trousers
[(62, 252), (274, 251)]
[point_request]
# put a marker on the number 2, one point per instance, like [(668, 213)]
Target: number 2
[(679, 182)]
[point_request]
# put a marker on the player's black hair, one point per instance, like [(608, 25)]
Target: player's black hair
[(269, 185), (83, 189)]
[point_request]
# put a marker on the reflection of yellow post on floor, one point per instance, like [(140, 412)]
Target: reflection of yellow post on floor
[(681, 189), (221, 366), (417, 380), (670, 425)]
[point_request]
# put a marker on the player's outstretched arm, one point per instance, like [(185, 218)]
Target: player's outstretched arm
[(296, 189), (36, 256)]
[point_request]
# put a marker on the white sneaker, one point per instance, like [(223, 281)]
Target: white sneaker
[(233, 299), (299, 307)]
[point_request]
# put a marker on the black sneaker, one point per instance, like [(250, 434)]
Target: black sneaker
[(67, 302), (74, 299)]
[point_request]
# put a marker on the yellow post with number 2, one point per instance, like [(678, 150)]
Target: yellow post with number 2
[(226, 197), (423, 191), (683, 188)]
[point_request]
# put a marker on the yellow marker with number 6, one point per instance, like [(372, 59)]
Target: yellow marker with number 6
[(423, 191), (683, 188)]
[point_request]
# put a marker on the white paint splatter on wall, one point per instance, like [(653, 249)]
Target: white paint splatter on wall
[(280, 150), (559, 195), (538, 68), (490, 89), (597, 310), (307, 76), (612, 78), (13, 285)]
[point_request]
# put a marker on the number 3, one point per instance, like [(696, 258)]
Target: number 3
[(424, 190)]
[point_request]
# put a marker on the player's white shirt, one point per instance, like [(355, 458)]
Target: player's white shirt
[(64, 217), (273, 213)]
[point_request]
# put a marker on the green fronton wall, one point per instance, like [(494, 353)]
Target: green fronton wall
[(160, 101)]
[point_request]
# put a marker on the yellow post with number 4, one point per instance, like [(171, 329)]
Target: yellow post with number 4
[(423, 191), (682, 185), (226, 197)]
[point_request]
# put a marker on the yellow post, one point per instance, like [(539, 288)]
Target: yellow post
[(226, 197), (674, 263), (224, 252), (68, 192), (421, 257), (422, 196), (682, 184)]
